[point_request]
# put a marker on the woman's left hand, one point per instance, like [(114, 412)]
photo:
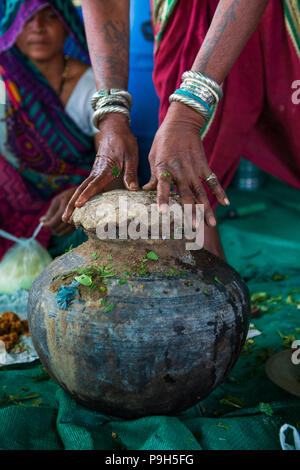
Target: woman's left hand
[(177, 155), (53, 218)]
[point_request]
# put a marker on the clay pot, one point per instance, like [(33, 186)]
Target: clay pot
[(157, 338)]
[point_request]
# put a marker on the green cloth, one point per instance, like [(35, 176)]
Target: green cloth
[(259, 246)]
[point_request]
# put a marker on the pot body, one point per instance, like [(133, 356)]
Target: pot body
[(162, 342)]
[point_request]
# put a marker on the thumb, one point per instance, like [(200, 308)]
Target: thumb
[(151, 185), (53, 208)]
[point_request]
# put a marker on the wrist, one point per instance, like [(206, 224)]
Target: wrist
[(112, 120), (182, 113)]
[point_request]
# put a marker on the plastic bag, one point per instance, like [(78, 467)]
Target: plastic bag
[(283, 439), (22, 263)]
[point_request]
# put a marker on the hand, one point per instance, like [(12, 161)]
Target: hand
[(53, 218), (177, 154), (118, 153)]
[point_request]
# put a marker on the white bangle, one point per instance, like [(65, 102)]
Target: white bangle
[(100, 112)]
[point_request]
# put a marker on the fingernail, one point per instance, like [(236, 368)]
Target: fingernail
[(227, 202), (133, 186), (212, 221), (163, 208)]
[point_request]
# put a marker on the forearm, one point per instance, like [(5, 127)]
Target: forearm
[(107, 29), (232, 25)]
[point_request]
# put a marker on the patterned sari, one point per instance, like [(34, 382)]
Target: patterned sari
[(50, 152), (257, 118)]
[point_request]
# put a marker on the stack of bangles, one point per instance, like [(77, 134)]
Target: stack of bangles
[(198, 92), (110, 101)]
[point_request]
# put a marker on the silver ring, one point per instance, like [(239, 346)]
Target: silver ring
[(211, 177)]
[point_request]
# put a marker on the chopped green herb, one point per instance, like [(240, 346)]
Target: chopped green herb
[(218, 280), (43, 375), (103, 302), (102, 288), (122, 281), (36, 402), (263, 355), (258, 297), (115, 171), (152, 255), (290, 301), (109, 308), (232, 401), (233, 380), (279, 277), (84, 280), (287, 339), (224, 426), (265, 408)]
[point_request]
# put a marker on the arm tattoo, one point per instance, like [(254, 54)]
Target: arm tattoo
[(222, 18), (116, 64)]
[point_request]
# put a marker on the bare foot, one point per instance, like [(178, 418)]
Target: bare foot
[(212, 242)]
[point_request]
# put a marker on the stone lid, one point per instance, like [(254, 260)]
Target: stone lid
[(116, 207)]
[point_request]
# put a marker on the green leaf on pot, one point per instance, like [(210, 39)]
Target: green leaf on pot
[(152, 255), (84, 280), (109, 308), (218, 280)]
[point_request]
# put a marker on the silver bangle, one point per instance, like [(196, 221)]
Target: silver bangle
[(200, 93), (191, 103), (203, 88), (100, 112), (115, 94), (110, 100), (190, 74)]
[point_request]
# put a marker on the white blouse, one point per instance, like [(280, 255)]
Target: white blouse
[(78, 108)]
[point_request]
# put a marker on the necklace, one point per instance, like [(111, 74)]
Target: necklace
[(64, 74)]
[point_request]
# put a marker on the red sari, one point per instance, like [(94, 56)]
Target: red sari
[(256, 118)]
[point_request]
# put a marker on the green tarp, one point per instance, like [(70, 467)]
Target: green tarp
[(265, 248)]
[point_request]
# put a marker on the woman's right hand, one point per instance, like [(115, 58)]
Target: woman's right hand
[(117, 154)]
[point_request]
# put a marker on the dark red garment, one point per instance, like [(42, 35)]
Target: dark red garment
[(20, 208), (256, 118)]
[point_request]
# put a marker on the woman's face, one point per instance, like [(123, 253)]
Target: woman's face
[(43, 36)]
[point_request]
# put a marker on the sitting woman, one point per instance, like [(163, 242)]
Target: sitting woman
[(47, 139)]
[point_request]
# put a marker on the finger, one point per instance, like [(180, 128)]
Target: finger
[(54, 221), (96, 186), (163, 191), (151, 185), (71, 205), (187, 198), (130, 174), (201, 198), (52, 210), (215, 187), (58, 228), (64, 230)]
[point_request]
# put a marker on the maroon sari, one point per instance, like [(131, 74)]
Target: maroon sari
[(257, 118)]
